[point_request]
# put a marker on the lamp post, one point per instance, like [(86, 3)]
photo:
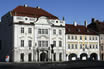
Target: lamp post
[(52, 51)]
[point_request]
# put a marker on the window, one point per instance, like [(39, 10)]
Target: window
[(26, 18), (39, 43), (54, 31), (68, 46), (93, 46), (85, 38), (80, 37), (72, 37), (22, 29), (72, 46), (46, 43), (22, 57), (60, 56), (60, 32), (75, 46), (68, 37), (29, 30), (42, 31), (60, 43), (39, 31), (75, 37), (80, 46), (96, 46), (93, 38), (30, 43), (86, 46), (54, 42), (29, 57), (90, 38), (96, 38), (46, 31), (56, 21), (43, 43), (90, 46), (22, 43)]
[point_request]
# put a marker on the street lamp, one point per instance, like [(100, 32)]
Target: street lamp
[(52, 51)]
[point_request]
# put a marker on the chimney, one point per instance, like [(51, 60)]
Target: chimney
[(75, 23), (93, 20), (38, 7), (63, 18), (25, 5), (85, 23)]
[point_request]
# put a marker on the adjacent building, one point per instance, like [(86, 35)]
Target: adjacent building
[(98, 27), (81, 43)]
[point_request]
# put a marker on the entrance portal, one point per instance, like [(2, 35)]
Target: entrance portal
[(93, 56), (72, 56), (83, 56), (43, 56)]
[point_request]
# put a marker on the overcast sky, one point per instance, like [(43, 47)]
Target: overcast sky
[(72, 10)]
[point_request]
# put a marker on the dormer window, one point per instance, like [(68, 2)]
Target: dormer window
[(56, 21), (87, 30), (26, 18), (69, 29), (78, 30)]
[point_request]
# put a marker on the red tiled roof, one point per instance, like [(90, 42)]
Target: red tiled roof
[(97, 26), (31, 12), (79, 29)]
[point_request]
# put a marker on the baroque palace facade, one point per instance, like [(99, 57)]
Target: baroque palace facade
[(34, 35)]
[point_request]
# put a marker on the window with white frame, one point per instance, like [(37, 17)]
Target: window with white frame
[(60, 32), (22, 29), (72, 46), (42, 31), (90, 38), (43, 43), (60, 43), (22, 43), (96, 46), (80, 46), (90, 46), (30, 30), (76, 46), (75, 37), (54, 42), (72, 37), (85, 37), (54, 31), (39, 31), (80, 37), (68, 36), (86, 46), (68, 46), (96, 38), (29, 43)]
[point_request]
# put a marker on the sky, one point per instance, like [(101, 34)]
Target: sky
[(72, 10)]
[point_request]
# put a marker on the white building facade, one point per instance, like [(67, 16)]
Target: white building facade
[(32, 36)]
